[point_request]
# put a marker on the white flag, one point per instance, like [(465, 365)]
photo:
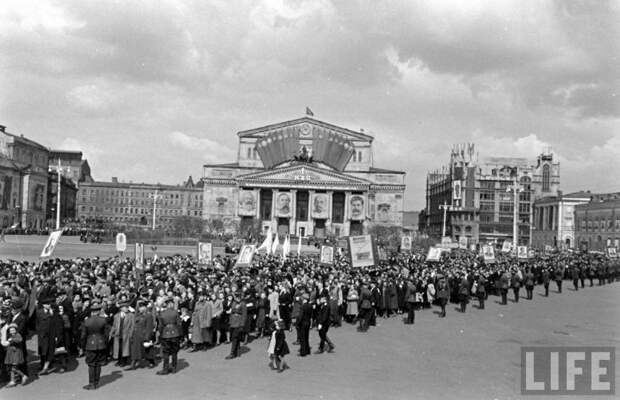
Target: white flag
[(286, 247), (275, 245), (267, 242), (50, 245), (299, 246)]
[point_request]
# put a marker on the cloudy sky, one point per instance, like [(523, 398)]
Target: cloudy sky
[(152, 90)]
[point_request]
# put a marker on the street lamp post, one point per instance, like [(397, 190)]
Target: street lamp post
[(515, 188), (59, 171), (155, 197), (446, 208)]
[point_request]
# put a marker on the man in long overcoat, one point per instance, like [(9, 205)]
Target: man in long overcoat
[(121, 333), (143, 334)]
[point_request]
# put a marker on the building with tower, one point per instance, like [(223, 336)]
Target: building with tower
[(303, 177)]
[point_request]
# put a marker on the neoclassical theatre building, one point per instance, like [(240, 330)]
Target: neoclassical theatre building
[(303, 177)]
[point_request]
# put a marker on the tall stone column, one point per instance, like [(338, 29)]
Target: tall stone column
[(330, 202), (346, 226), (292, 225), (274, 219), (310, 225)]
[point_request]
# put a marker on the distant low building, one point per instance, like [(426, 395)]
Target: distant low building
[(597, 223), (554, 220), (131, 204)]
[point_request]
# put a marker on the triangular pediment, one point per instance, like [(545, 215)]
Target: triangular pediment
[(303, 173), (306, 126)]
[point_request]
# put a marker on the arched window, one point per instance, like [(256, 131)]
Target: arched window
[(546, 178)]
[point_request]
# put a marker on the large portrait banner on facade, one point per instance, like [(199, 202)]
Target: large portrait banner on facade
[(247, 203), (284, 203), (320, 206), (357, 207)]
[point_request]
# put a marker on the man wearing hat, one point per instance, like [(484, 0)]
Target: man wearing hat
[(142, 339), (237, 321), (121, 333), (47, 333), (94, 334), (169, 322), (323, 319), (305, 318), (20, 319)]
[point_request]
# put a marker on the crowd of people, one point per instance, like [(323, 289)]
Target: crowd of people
[(107, 310)]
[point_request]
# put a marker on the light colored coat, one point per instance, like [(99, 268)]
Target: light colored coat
[(127, 333)]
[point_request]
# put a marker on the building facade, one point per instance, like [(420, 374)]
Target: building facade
[(475, 199), (554, 220), (597, 223), (23, 182), (303, 177), (131, 204), (73, 166)]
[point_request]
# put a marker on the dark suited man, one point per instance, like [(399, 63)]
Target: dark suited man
[(481, 291), (376, 302), (443, 294), (515, 283), (575, 276), (410, 298), (94, 333), (546, 278), (305, 319), (169, 322), (20, 318), (237, 321), (323, 319), (464, 294), (504, 284), (529, 283), (365, 307), (559, 275)]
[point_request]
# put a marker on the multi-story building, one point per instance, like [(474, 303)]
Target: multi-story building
[(303, 177), (73, 166), (597, 223), (68, 193), (131, 204), (475, 199), (23, 181), (554, 220)]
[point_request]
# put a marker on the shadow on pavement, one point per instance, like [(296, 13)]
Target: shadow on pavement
[(114, 375)]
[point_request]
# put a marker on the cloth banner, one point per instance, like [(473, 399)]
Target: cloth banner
[(405, 243), (522, 252), (51, 243)]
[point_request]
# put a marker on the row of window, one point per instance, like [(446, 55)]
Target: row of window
[(140, 211), (105, 192), (598, 225), (126, 201)]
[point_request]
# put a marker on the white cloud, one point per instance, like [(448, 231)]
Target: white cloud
[(211, 150)]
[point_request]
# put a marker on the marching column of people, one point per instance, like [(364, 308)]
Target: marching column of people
[(102, 310)]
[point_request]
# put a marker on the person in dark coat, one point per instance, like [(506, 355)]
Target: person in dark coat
[(546, 278), (285, 302), (142, 339), (95, 331), (323, 319), (365, 307), (376, 302), (464, 294), (47, 334), (515, 283), (481, 291), (559, 275), (169, 322), (443, 295), (529, 283), (237, 322), (305, 319), (575, 277), (281, 347), (20, 319), (410, 298), (504, 284)]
